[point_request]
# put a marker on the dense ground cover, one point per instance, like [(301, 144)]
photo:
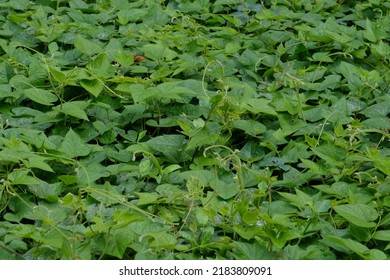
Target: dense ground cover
[(256, 130)]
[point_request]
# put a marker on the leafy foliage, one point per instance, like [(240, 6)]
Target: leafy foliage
[(240, 131)]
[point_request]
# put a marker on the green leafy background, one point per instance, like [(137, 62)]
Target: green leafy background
[(251, 130)]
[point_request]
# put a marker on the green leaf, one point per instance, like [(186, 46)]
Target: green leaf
[(201, 216), (203, 137), (124, 58), (21, 177), (322, 57), (132, 15), (323, 206), (383, 235), (158, 51), (311, 252), (369, 33), (250, 127), (73, 146), (40, 96), (280, 238), (260, 106), (175, 90), (359, 214), (88, 174), (294, 151), (382, 49), (118, 241), (162, 240), (53, 238), (93, 86), (360, 233), (37, 162), (300, 199), (289, 124), (247, 232), (86, 46), (379, 110), (250, 251), (380, 162), (332, 154), (146, 167), (343, 244), (169, 145), (19, 210), (101, 66), (73, 108), (47, 191), (225, 188), (147, 198), (203, 176)]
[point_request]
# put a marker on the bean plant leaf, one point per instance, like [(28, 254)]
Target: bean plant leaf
[(226, 187), (147, 198), (22, 177), (383, 235), (158, 51), (332, 154), (40, 96), (73, 108), (260, 106), (250, 127), (87, 46), (73, 146), (93, 86), (359, 214)]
